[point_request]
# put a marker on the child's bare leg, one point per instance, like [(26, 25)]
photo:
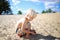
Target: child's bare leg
[(28, 32)]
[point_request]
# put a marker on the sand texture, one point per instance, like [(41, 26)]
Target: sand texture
[(47, 27)]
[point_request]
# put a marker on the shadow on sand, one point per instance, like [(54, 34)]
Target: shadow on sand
[(39, 36)]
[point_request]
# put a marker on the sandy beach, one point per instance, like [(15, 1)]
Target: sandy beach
[(47, 27)]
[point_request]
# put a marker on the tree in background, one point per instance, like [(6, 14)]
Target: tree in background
[(5, 7), (19, 12), (54, 12), (48, 11), (43, 11)]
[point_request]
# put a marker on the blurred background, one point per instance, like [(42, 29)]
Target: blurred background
[(14, 7)]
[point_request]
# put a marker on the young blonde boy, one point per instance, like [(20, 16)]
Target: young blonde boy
[(24, 25)]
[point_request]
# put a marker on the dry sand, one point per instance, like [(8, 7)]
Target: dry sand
[(47, 27)]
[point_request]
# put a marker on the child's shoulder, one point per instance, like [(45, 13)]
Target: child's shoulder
[(21, 20)]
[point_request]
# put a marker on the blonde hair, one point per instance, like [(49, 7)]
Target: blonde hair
[(31, 13)]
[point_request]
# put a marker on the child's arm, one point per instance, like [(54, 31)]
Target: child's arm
[(18, 26)]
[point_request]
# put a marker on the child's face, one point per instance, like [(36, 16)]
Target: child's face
[(30, 18)]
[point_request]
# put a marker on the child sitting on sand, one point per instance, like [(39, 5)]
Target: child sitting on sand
[(24, 25)]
